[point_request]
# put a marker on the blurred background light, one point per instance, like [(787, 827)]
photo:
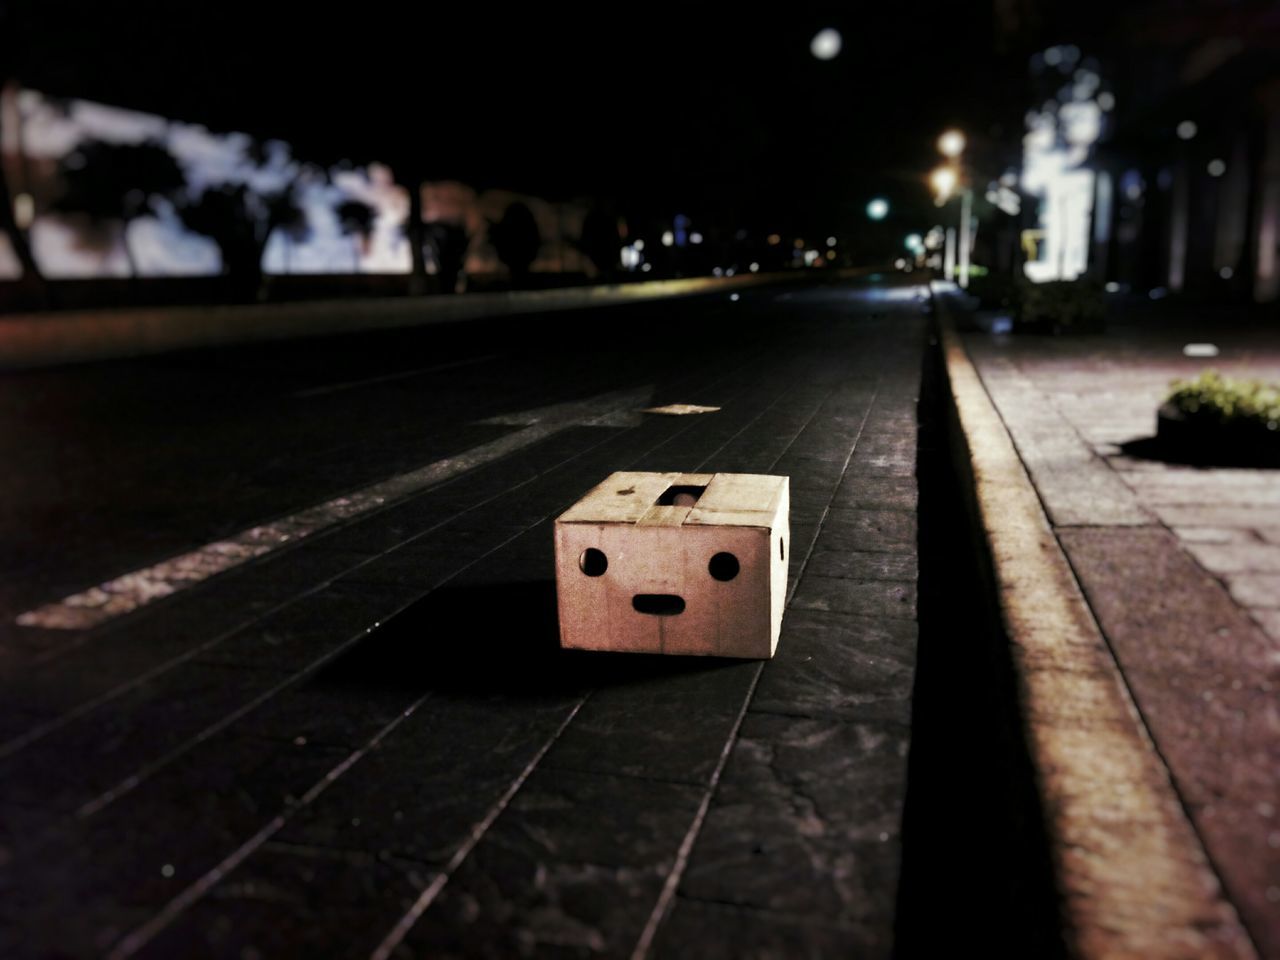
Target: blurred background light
[(878, 208), (1217, 167), (1187, 129), (951, 143)]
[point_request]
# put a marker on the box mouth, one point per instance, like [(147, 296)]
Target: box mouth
[(658, 604)]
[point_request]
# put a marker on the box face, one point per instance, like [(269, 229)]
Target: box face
[(675, 564)]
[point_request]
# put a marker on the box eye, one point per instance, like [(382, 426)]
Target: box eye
[(593, 562), (723, 566)]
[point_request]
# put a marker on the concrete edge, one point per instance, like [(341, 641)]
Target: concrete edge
[(1133, 878), (29, 341)]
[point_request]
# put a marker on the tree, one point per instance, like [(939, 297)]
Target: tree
[(116, 183), (356, 219), (600, 242), (449, 243), (516, 240), (240, 220)]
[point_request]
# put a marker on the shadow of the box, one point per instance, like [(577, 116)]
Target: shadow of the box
[(491, 639), (1224, 454)]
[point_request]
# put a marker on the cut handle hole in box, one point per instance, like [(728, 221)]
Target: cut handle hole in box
[(680, 495), (658, 604)]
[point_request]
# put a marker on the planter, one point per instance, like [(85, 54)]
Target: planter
[(1208, 441)]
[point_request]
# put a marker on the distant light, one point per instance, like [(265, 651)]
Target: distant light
[(826, 44), (943, 181), (831, 254), (1053, 56), (1217, 167), (831, 241), (1107, 100), (1187, 129), (1226, 273), (810, 257), (799, 243), (735, 297), (951, 143), (639, 244), (774, 239), (668, 238), (717, 272), (915, 242), (1112, 287), (730, 272), (1159, 293), (1200, 350), (695, 237), (755, 267), (646, 267), (878, 208), (630, 257), (900, 263), (24, 210)]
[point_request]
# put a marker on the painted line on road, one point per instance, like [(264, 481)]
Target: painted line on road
[(127, 593), (389, 377)]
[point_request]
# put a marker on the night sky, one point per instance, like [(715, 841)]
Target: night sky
[(718, 110)]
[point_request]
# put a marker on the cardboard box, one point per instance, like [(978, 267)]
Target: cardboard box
[(679, 563)]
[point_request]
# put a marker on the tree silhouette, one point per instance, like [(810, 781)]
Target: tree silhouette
[(356, 219), (241, 220), (515, 238), (449, 242), (600, 241), (115, 183)]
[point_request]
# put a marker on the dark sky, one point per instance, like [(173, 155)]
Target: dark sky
[(715, 109)]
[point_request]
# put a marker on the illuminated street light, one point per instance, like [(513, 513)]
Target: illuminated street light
[(943, 180), (951, 144), (915, 243), (826, 44), (878, 208)]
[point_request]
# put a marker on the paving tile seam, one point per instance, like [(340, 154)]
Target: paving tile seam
[(1095, 888), (39, 732), (122, 623)]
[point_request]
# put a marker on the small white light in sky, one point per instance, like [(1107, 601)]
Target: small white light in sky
[(646, 267), (1226, 273), (831, 241), (943, 180), (167, 870), (826, 44), (755, 267), (1217, 167), (668, 238), (915, 242), (900, 262), (1107, 100), (735, 297), (878, 208), (1112, 287), (1187, 129), (695, 237), (1200, 350), (639, 244), (1053, 56), (717, 272), (951, 143)]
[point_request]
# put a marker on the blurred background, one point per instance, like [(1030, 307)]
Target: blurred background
[(195, 152)]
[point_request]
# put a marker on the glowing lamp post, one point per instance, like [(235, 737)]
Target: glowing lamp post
[(951, 145)]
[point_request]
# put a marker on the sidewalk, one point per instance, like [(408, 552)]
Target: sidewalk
[(1180, 567)]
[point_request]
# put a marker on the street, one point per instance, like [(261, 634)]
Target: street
[(356, 736)]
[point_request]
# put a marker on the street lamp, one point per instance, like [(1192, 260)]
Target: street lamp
[(878, 208), (951, 145)]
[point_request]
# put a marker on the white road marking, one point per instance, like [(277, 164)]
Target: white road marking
[(131, 591), (388, 377)]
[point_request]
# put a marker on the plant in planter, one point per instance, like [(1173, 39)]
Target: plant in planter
[(1059, 306), (1222, 420)]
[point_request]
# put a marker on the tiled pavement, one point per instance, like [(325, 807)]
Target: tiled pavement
[(1180, 564), (370, 745)]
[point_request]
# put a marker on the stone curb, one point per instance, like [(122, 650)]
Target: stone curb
[(40, 340), (1132, 875)]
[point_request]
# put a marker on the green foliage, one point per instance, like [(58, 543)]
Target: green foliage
[(1211, 397), (1061, 305)]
